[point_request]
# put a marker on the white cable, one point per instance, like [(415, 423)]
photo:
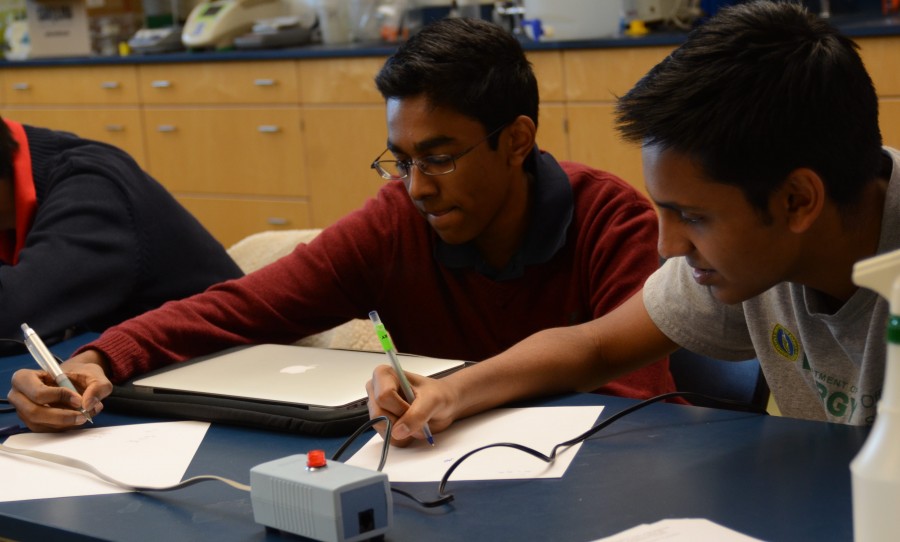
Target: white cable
[(78, 464)]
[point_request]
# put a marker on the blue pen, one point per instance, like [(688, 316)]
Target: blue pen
[(45, 359), (391, 352)]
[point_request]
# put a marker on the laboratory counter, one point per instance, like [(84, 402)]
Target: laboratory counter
[(863, 23)]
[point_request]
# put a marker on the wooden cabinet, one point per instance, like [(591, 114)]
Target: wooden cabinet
[(120, 127), (889, 120), (882, 58), (96, 102), (97, 85), (233, 218), (196, 83), (346, 81), (226, 139), (553, 130), (344, 130), (552, 134), (593, 140), (594, 79), (227, 150), (341, 143)]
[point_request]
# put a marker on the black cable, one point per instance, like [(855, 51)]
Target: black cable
[(384, 448), (650, 401), (446, 497)]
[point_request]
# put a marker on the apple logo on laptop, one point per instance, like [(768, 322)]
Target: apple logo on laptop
[(297, 369)]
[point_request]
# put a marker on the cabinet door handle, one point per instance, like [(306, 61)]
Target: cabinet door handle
[(276, 221), (166, 128), (268, 129), (109, 84), (264, 82), (21, 86), (115, 128), (161, 83)]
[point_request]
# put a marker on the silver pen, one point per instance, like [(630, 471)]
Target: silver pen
[(45, 359), (385, 338)]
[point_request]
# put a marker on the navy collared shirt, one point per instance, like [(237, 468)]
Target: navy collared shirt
[(552, 207)]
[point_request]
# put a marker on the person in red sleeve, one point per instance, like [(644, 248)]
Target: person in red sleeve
[(88, 239), (477, 240)]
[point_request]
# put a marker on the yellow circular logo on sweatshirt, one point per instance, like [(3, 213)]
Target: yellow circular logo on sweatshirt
[(785, 343)]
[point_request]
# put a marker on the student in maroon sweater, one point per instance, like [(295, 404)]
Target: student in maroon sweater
[(477, 240)]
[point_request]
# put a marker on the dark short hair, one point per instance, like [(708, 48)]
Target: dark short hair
[(759, 90), (470, 66), (8, 148)]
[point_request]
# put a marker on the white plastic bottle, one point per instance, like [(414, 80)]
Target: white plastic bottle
[(875, 471)]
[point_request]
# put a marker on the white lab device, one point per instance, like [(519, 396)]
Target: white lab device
[(166, 39), (310, 496), (156, 40), (215, 24)]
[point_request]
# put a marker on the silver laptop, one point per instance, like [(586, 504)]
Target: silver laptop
[(317, 378)]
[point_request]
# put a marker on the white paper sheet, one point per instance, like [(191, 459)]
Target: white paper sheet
[(538, 428), (679, 530), (151, 454)]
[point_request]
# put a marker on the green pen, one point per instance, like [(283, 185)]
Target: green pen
[(391, 352)]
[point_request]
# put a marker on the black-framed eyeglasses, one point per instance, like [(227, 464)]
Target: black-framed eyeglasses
[(435, 164)]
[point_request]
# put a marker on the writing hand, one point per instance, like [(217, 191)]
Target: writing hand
[(434, 404), (45, 407)]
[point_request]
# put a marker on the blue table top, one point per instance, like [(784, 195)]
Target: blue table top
[(768, 477)]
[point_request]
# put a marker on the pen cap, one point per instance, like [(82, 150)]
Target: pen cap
[(383, 336)]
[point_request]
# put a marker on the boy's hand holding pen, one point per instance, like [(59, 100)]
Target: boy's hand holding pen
[(47, 362), (385, 338)]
